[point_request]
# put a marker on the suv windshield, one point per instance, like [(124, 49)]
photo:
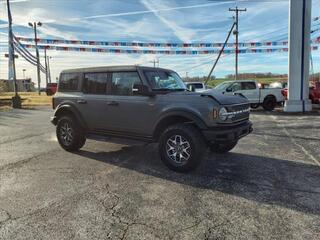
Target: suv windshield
[(164, 80)]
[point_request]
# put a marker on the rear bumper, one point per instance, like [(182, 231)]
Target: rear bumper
[(228, 133)]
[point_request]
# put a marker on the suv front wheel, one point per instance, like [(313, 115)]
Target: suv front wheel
[(181, 147), (70, 135)]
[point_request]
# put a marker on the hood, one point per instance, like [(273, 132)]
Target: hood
[(225, 99), (222, 99)]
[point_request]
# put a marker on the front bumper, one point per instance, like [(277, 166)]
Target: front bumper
[(53, 120), (228, 133)]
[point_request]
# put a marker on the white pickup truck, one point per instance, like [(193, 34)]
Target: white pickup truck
[(267, 98), (197, 86)]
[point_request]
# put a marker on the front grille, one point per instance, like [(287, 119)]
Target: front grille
[(237, 107), (241, 112)]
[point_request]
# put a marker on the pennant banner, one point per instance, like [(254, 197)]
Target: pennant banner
[(167, 52), (163, 45)]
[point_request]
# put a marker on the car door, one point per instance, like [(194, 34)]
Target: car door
[(250, 91), (92, 103), (128, 113)]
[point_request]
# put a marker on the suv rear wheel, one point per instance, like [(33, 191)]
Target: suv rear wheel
[(70, 135), (181, 147), (222, 147)]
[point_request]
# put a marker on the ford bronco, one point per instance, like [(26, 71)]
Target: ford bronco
[(149, 105)]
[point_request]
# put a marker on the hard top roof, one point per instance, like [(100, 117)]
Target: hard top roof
[(112, 68)]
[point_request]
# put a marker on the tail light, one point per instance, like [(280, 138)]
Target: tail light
[(284, 93)]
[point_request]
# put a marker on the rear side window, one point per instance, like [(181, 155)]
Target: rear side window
[(122, 83), (95, 83), (248, 86), (69, 81)]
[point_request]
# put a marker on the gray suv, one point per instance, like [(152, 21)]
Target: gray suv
[(149, 105)]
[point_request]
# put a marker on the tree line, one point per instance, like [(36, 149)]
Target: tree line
[(315, 77)]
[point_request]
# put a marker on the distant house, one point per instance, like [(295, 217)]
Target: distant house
[(24, 85)]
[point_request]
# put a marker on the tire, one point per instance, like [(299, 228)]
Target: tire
[(222, 147), (70, 135), (254, 105), (81, 142), (186, 140), (269, 103)]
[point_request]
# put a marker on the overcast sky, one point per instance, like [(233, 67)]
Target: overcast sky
[(153, 21)]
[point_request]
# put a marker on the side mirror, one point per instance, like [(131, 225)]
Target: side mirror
[(229, 89), (140, 89)]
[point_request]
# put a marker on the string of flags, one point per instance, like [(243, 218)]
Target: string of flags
[(167, 52), (154, 44)]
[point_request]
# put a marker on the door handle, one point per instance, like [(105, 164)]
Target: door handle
[(81, 101), (112, 103)]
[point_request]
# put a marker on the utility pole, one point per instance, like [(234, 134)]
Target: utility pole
[(34, 26), (49, 72), (236, 32), (16, 100), (155, 62), (46, 66)]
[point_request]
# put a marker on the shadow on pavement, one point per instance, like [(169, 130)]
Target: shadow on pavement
[(284, 183)]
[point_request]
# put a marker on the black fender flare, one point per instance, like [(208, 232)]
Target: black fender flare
[(178, 114), (69, 108)]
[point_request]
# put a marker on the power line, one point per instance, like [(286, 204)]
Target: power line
[(221, 51)]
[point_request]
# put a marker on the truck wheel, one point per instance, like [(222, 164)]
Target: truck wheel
[(269, 103), (222, 147), (181, 147), (70, 135), (254, 105)]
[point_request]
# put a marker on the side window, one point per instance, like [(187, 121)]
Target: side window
[(95, 83), (69, 81), (248, 86), (122, 83), (236, 87)]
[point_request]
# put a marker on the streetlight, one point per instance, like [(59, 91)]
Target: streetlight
[(23, 71), (34, 26)]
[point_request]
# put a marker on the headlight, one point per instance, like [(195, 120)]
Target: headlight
[(223, 114)]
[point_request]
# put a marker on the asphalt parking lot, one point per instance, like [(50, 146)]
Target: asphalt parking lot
[(268, 187)]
